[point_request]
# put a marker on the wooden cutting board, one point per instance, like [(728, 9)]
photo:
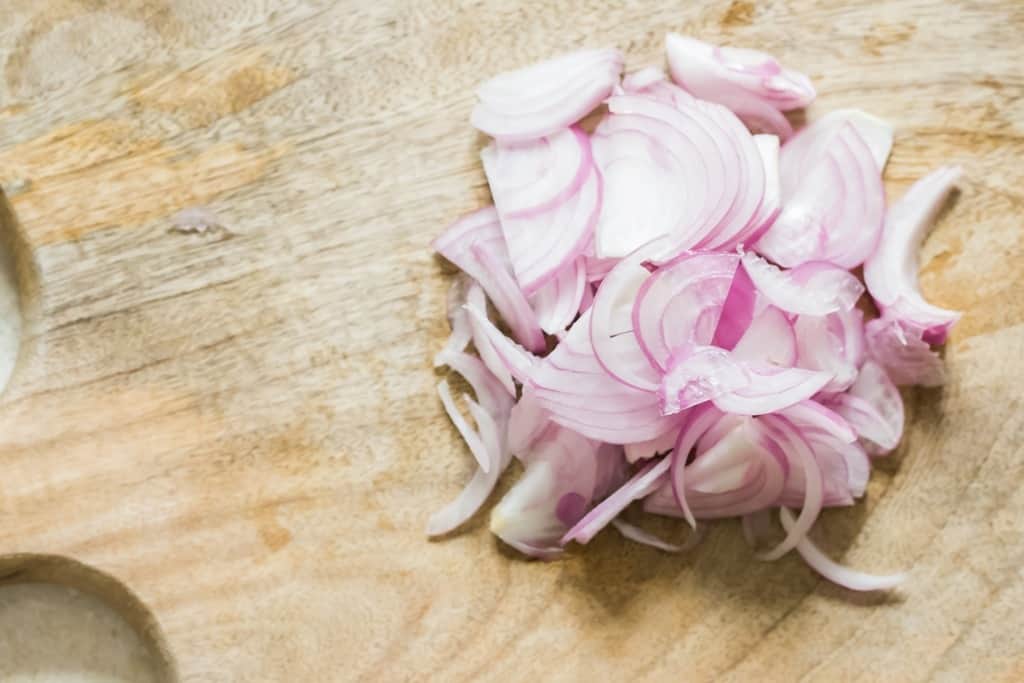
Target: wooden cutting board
[(240, 425)]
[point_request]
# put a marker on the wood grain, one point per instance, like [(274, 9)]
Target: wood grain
[(240, 425)]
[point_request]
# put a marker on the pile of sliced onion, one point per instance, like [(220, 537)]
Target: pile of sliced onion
[(683, 329)]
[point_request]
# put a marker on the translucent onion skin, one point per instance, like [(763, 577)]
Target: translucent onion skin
[(679, 324)]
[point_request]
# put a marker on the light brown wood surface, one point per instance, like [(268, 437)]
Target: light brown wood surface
[(241, 427)]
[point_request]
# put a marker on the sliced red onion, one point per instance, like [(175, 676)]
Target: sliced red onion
[(836, 573), (770, 338), (891, 272), (737, 312), (796, 447), (874, 408), (544, 238), (557, 303), (707, 373), (641, 484), (738, 475), (697, 374), (527, 422), (698, 423), (472, 439), (858, 465), (749, 82), (564, 474), (816, 288), (725, 390), (690, 173), (476, 245), (744, 213), (578, 392), (817, 419), (480, 486), (612, 470), (615, 340), (771, 203), (663, 502), (719, 429), (540, 99), (680, 304), (642, 177), (904, 355), (812, 143), (536, 176), (771, 388), (476, 299), (843, 464), (506, 355), (652, 82), (488, 389), (835, 212), (588, 298), (597, 268), (458, 319), (825, 343)]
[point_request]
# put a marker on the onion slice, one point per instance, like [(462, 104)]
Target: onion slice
[(700, 421), (564, 474), (613, 333), (834, 572), (832, 344), (479, 488), (477, 300), (796, 447), (680, 304), (545, 97), (874, 408), (641, 484), (527, 422), (458, 319), (835, 212), (771, 388), (751, 83), (688, 171), (771, 203), (578, 393), (812, 143), (476, 245), (488, 389), (557, 303), (891, 272), (906, 357), (472, 439), (697, 374), (528, 178), (816, 288), (547, 221), (514, 359)]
